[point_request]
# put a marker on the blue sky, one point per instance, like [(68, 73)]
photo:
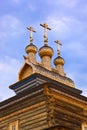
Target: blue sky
[(68, 20)]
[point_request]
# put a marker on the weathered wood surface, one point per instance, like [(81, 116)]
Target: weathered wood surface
[(45, 110)]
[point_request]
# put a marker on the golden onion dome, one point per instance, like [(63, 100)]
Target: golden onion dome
[(46, 51), (59, 61), (31, 48)]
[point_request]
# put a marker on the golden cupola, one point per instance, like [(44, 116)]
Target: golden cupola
[(31, 49), (46, 52), (59, 61)]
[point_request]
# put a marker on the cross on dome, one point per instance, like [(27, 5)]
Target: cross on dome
[(31, 37), (45, 26), (59, 44)]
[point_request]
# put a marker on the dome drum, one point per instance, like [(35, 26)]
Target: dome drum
[(59, 60), (31, 48), (45, 51)]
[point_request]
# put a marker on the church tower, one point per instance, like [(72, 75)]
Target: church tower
[(46, 99), (59, 61), (46, 51), (31, 49)]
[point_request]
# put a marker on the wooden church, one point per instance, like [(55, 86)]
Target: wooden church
[(46, 99)]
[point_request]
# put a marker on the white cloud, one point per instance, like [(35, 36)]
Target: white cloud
[(68, 3), (8, 66), (9, 26), (84, 9), (8, 20), (65, 26), (75, 49), (79, 79), (85, 92), (64, 3), (77, 64), (8, 75), (16, 1), (32, 7), (58, 24)]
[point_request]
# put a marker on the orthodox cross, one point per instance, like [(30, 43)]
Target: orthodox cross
[(59, 44), (45, 32), (31, 37)]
